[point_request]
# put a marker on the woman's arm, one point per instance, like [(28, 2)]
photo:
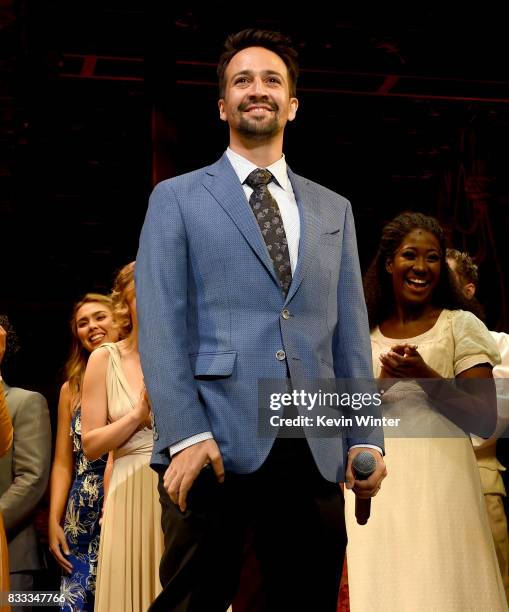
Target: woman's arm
[(471, 405), (481, 418), (97, 435), (61, 478)]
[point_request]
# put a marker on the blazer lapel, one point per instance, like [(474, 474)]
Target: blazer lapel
[(310, 225), (223, 184)]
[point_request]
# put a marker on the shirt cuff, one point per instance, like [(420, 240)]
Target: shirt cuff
[(175, 448), (367, 446)]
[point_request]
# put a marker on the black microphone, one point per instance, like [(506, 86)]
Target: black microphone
[(363, 465)]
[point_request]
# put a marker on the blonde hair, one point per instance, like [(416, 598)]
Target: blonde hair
[(123, 284), (77, 361)]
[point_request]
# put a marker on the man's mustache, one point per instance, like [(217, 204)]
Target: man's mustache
[(258, 102)]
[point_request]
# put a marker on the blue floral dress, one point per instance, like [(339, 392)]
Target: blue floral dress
[(81, 525)]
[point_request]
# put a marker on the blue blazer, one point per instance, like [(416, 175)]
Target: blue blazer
[(210, 314)]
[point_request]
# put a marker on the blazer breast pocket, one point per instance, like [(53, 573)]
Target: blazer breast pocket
[(329, 249), (332, 236)]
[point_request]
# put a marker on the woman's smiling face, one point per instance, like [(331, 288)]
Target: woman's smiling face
[(95, 325), (415, 268)]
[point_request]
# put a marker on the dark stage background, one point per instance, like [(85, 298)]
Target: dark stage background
[(401, 108)]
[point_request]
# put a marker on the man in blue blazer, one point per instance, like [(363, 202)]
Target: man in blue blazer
[(246, 272)]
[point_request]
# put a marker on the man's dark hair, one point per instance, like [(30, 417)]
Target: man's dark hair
[(377, 284), (466, 269), (273, 41)]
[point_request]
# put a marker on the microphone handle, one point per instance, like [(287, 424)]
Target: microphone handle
[(362, 506), (362, 510)]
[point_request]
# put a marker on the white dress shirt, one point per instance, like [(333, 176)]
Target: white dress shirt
[(281, 191)]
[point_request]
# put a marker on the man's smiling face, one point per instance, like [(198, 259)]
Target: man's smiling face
[(257, 102)]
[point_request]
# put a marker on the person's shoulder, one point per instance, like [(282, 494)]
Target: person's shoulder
[(66, 399), (102, 353), (18, 398), (502, 341), (463, 317), (322, 192), (184, 181), (466, 325), (65, 391), (177, 192), (500, 337), (23, 393)]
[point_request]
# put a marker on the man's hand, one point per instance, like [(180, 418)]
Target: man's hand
[(185, 467), (370, 487), (3, 342)]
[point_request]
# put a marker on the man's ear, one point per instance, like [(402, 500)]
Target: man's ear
[(294, 105), (388, 265), (469, 290), (222, 113)]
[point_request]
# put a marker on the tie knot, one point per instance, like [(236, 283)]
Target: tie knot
[(259, 177)]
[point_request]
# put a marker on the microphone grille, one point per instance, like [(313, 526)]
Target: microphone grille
[(364, 465)]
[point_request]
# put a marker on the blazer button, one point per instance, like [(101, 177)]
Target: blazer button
[(280, 355), (286, 314)]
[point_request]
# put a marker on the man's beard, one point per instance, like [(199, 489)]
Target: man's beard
[(258, 129)]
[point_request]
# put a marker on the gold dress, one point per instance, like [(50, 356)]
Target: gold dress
[(131, 542)]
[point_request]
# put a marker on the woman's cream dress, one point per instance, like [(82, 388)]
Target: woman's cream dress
[(427, 545), (131, 542)]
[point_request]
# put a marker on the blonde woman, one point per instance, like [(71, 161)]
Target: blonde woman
[(116, 418), (77, 483)]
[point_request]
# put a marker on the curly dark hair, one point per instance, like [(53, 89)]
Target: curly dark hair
[(273, 41), (377, 285)]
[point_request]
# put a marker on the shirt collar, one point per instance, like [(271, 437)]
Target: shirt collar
[(243, 168)]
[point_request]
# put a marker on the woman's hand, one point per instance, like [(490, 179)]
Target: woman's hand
[(404, 361), (142, 409), (58, 546)]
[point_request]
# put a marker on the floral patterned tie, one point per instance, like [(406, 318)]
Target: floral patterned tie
[(267, 214)]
